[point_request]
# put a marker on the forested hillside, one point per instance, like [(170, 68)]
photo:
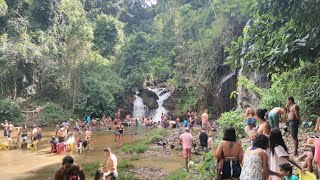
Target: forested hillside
[(88, 56)]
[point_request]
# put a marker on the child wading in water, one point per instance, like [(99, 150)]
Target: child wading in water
[(286, 170)]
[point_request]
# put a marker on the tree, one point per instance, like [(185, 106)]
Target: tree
[(108, 35), (3, 8), (279, 37), (45, 12)]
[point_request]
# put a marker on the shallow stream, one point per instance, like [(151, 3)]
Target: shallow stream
[(21, 164)]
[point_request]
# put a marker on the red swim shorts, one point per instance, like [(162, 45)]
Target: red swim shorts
[(186, 152)]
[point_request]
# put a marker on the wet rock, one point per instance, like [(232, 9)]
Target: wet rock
[(163, 92), (149, 98), (219, 99), (169, 103), (127, 107)]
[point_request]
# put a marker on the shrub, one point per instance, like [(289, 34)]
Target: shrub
[(234, 119), (10, 110), (53, 114), (138, 147), (176, 175), (207, 169), (155, 136)]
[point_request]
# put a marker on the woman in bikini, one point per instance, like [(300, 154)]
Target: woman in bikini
[(229, 153)]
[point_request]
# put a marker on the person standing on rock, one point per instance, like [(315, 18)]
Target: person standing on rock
[(186, 139), (274, 116), (293, 121), (205, 120)]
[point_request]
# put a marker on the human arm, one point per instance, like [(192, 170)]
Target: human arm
[(293, 162), (245, 112), (296, 112), (309, 145), (218, 151), (317, 125), (191, 140)]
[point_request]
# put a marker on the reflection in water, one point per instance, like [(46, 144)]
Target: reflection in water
[(27, 165)]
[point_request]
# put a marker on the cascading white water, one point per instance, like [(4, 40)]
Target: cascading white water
[(139, 109), (162, 97)]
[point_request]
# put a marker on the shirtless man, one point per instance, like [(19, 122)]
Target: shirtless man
[(274, 115), (5, 125), (249, 112), (11, 127), (69, 170), (61, 134), (172, 124), (204, 120), (87, 138), (293, 121), (34, 133), (110, 170)]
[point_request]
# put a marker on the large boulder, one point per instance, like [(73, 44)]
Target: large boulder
[(149, 98), (219, 98)]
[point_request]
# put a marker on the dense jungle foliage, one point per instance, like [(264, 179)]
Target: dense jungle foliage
[(88, 56)]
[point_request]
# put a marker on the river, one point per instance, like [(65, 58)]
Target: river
[(21, 164)]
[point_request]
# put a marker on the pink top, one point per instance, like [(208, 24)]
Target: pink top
[(276, 159), (186, 139), (317, 150)]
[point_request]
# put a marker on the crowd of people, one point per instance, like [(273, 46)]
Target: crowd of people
[(267, 156), (23, 136)]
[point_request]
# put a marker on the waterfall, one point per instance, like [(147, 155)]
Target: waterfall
[(139, 109), (163, 94)]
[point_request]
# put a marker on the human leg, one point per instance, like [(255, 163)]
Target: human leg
[(294, 128)]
